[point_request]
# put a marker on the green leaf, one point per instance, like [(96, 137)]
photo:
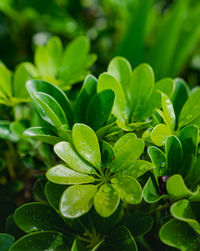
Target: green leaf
[(127, 150), (179, 235), (174, 154), (106, 200), (180, 95), (5, 82), (107, 81), (177, 189), (99, 109), (129, 189), (67, 153), (121, 69), (61, 174), (77, 200), (142, 84), (168, 112), (107, 153), (37, 216), (182, 210), (5, 132), (138, 223), (6, 241), (88, 90), (159, 134), (58, 96), (52, 110), (190, 110), (40, 241), (86, 144), (20, 77), (42, 134), (189, 137), (159, 160), (136, 169), (120, 239)]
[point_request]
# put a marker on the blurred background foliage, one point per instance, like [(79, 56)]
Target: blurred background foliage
[(164, 33)]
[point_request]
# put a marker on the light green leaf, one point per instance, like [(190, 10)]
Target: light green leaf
[(67, 153), (121, 69), (106, 200), (127, 150), (182, 210), (168, 112), (177, 189), (159, 134), (136, 169), (5, 82), (179, 235), (107, 81), (77, 200), (61, 174), (129, 189), (86, 144)]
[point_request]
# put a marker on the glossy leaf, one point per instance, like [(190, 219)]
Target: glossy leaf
[(174, 154), (99, 109), (42, 134), (127, 150), (168, 111), (179, 235), (40, 241), (56, 94), (86, 144), (120, 239), (106, 200), (128, 188), (190, 110), (88, 90), (77, 200), (107, 81), (180, 95), (37, 216), (61, 174), (182, 210), (67, 153), (121, 69), (159, 134), (6, 241), (189, 137), (138, 223), (177, 189), (159, 160)]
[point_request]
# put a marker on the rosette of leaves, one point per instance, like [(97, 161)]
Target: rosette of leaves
[(99, 175), (59, 114), (12, 85), (183, 109), (136, 93), (64, 67)]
